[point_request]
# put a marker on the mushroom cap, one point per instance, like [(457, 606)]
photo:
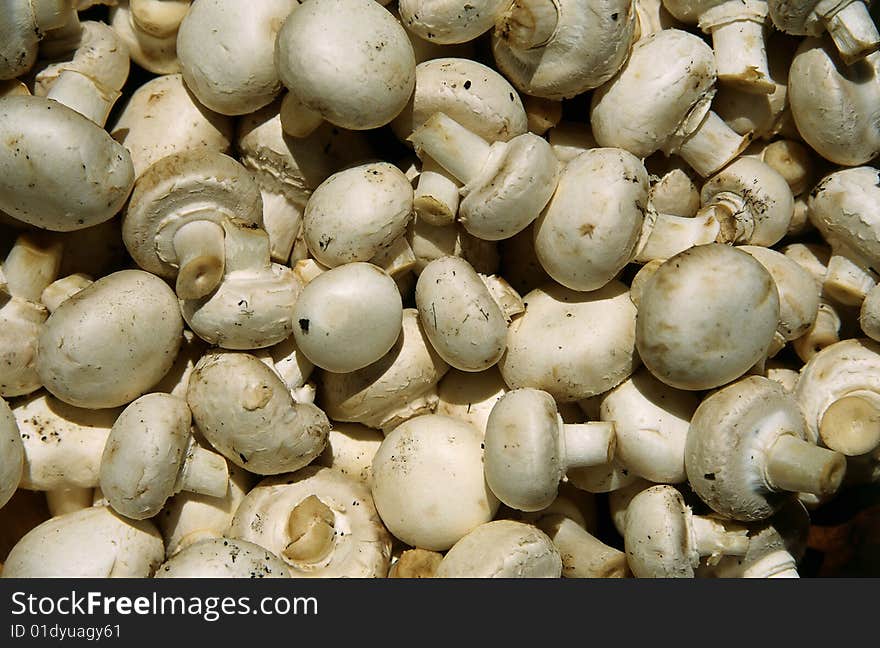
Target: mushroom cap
[(449, 23), (833, 104), (12, 455), (162, 117), (844, 208), (247, 414), (223, 558), (766, 194), (796, 17), (590, 228), (137, 310), (470, 396), (502, 549), (348, 317), (20, 325), (399, 385), (589, 45), (144, 453), (846, 368), (226, 51), (524, 454), (93, 542), (677, 70), (62, 443), (19, 39), (362, 76), (572, 344), (295, 166), (195, 185), (651, 421), (357, 213), (798, 297), (361, 547), (428, 482), (473, 94), (55, 186), (350, 450), (512, 188), (690, 334), (464, 323), (730, 433), (658, 538), (156, 54)]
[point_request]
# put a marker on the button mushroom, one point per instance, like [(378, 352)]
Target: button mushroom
[(12, 455), (847, 22), (223, 558), (151, 42), (319, 522), (22, 26), (747, 451), (469, 395), (350, 450)]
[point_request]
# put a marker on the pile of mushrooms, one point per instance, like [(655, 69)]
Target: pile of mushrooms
[(407, 289)]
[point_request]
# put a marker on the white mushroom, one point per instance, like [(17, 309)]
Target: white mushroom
[(416, 563), (22, 26), (528, 448), (90, 543), (502, 549), (77, 365), (429, 242), (350, 450), (748, 451), (12, 455), (247, 414), (321, 523), (150, 455), (152, 46), (470, 396), (848, 22), (223, 558), (428, 482)]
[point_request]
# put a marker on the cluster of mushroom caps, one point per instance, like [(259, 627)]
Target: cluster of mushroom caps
[(347, 288)]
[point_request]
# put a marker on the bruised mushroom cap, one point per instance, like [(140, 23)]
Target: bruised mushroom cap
[(344, 526), (590, 228), (572, 344), (359, 78), (428, 482), (348, 317), (93, 542), (197, 185), (731, 434), (833, 104), (226, 51), (357, 213), (11, 456), (247, 414), (162, 117), (690, 334), (52, 186), (589, 45), (502, 549), (223, 558), (399, 385), (464, 323), (137, 310), (62, 443), (473, 94), (651, 423), (677, 69), (764, 192), (657, 538), (849, 369)]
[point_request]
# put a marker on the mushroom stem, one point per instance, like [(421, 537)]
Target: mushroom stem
[(416, 563), (798, 466), (847, 281), (454, 147), (64, 37), (824, 332), (63, 289), (201, 255), (588, 444), (397, 259), (297, 120), (779, 564), (50, 14), (311, 530), (665, 235), (741, 54), (85, 95), (851, 424), (69, 499), (583, 554), (715, 538), (528, 23), (203, 472), (31, 265), (712, 145), (853, 31), (246, 247), (283, 221), (508, 300), (436, 196)]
